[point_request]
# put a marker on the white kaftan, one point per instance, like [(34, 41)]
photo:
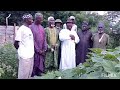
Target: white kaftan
[(67, 49)]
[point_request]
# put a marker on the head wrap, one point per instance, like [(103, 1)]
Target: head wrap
[(101, 24), (26, 16)]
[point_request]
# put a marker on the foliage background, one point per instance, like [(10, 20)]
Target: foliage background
[(8, 54)]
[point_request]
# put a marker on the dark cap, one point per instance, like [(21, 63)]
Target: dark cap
[(85, 23), (69, 21)]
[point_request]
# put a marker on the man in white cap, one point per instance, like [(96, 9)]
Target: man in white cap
[(24, 43), (52, 41), (74, 27)]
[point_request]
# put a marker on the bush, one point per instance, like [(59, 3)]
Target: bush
[(8, 61), (100, 65)]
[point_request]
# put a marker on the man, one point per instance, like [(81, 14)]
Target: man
[(74, 27), (100, 39), (40, 45), (82, 48), (58, 25), (52, 40), (68, 40), (24, 43)]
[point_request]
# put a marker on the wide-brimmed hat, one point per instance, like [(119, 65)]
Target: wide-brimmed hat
[(58, 21)]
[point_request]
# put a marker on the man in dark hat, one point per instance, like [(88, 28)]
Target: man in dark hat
[(58, 24), (100, 39), (68, 40), (82, 48), (74, 27)]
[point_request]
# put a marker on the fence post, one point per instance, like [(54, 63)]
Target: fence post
[(14, 32), (5, 32)]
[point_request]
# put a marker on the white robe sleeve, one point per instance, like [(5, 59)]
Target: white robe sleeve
[(63, 35), (18, 36), (76, 38)]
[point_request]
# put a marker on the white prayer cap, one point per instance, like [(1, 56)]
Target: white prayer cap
[(49, 18), (72, 17)]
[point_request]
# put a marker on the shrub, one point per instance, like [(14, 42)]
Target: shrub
[(8, 61)]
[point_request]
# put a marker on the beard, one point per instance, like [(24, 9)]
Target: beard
[(52, 25), (100, 32)]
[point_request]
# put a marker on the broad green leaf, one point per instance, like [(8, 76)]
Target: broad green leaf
[(117, 65), (118, 58), (109, 66), (97, 59)]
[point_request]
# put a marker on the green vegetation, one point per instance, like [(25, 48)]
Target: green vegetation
[(101, 65), (8, 62)]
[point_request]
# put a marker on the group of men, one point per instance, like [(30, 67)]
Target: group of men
[(56, 47)]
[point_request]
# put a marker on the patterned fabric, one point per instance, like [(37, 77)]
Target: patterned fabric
[(27, 16), (52, 36), (51, 57)]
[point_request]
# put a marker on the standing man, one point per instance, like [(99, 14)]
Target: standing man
[(40, 45), (68, 40), (74, 27), (24, 43), (100, 39), (82, 48), (52, 40), (58, 25)]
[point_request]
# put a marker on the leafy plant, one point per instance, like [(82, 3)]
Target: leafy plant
[(8, 61), (100, 65)]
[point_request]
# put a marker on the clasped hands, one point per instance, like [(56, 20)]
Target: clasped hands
[(72, 37), (42, 52)]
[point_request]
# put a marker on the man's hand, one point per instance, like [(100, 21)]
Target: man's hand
[(16, 44), (72, 37), (53, 46), (42, 52)]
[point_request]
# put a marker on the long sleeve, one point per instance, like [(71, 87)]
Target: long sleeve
[(76, 38), (47, 38), (63, 35), (91, 40), (35, 44), (45, 42), (19, 35)]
